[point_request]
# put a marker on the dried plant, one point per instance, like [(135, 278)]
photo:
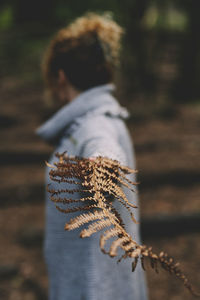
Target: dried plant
[(100, 181)]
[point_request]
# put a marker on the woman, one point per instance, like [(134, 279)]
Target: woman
[(79, 70)]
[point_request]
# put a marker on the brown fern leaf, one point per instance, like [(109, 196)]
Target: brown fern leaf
[(83, 219), (116, 244), (74, 209), (95, 180), (94, 227), (134, 264), (116, 213), (116, 175), (68, 200), (106, 236)]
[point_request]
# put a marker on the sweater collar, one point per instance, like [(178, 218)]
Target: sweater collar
[(97, 99)]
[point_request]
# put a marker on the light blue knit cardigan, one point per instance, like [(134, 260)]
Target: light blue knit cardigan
[(91, 125)]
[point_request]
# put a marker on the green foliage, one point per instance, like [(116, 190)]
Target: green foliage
[(169, 18), (6, 17), (67, 11)]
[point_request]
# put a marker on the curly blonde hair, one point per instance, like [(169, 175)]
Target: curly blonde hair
[(87, 51)]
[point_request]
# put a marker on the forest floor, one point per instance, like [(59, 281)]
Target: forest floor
[(167, 151)]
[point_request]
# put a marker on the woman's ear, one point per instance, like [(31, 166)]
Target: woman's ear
[(62, 87), (65, 90), (62, 78)]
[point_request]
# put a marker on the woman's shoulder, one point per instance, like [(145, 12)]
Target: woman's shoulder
[(93, 124)]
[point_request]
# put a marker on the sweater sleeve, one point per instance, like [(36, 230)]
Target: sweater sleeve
[(104, 143)]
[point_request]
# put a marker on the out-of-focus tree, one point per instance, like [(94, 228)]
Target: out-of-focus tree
[(132, 13), (149, 25), (33, 11), (188, 85)]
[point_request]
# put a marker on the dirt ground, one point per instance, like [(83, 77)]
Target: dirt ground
[(167, 151)]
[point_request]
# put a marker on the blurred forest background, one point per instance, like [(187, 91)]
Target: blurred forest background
[(159, 81)]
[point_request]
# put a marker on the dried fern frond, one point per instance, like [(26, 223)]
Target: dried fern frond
[(97, 182)]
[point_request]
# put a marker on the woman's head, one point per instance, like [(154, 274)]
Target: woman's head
[(86, 51)]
